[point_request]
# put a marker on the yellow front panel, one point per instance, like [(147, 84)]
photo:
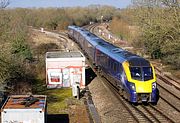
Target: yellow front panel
[(141, 86)]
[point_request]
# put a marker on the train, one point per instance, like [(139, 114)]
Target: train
[(133, 75)]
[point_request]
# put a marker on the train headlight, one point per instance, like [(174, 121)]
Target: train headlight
[(154, 85), (132, 86)]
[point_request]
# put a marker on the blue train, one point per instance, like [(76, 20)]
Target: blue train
[(133, 75)]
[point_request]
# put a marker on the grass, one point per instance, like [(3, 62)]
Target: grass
[(57, 100)]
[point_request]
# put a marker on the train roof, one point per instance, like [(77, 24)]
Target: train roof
[(114, 52), (122, 55), (91, 38), (138, 61)]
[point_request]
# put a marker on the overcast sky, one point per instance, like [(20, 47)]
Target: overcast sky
[(67, 3)]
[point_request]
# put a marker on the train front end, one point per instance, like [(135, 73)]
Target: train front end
[(140, 80)]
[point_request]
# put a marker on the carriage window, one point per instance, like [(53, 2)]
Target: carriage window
[(107, 61), (115, 67), (111, 65), (120, 69), (136, 73), (148, 74)]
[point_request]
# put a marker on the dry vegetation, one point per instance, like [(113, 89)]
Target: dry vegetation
[(123, 29), (157, 33), (41, 38), (28, 50)]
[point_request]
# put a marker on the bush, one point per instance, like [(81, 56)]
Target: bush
[(43, 48)]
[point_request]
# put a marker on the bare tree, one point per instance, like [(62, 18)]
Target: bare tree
[(171, 3), (160, 26), (148, 3), (4, 3), (151, 3)]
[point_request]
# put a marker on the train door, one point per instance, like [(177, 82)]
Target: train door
[(81, 41), (111, 71), (90, 50), (114, 68)]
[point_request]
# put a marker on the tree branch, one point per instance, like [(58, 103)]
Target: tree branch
[(4, 3)]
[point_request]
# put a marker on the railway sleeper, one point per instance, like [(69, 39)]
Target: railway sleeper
[(125, 95), (121, 91)]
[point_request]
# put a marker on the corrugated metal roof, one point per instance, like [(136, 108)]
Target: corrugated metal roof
[(63, 55), (25, 102)]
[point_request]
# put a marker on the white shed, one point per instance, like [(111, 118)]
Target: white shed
[(64, 69)]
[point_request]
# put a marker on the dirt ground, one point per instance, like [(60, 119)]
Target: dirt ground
[(75, 114)]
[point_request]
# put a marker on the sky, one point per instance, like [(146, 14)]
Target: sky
[(66, 3)]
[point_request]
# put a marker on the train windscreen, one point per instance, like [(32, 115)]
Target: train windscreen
[(141, 73), (148, 74), (136, 73)]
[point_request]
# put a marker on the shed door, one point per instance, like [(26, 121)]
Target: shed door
[(76, 75), (66, 77), (77, 78)]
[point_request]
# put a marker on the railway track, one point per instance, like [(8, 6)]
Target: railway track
[(92, 27), (167, 79), (68, 45), (140, 113), (128, 110), (175, 107), (151, 113), (169, 92), (155, 114)]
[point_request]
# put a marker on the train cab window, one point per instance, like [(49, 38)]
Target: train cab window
[(148, 74), (136, 73)]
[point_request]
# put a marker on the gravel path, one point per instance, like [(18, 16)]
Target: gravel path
[(108, 107)]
